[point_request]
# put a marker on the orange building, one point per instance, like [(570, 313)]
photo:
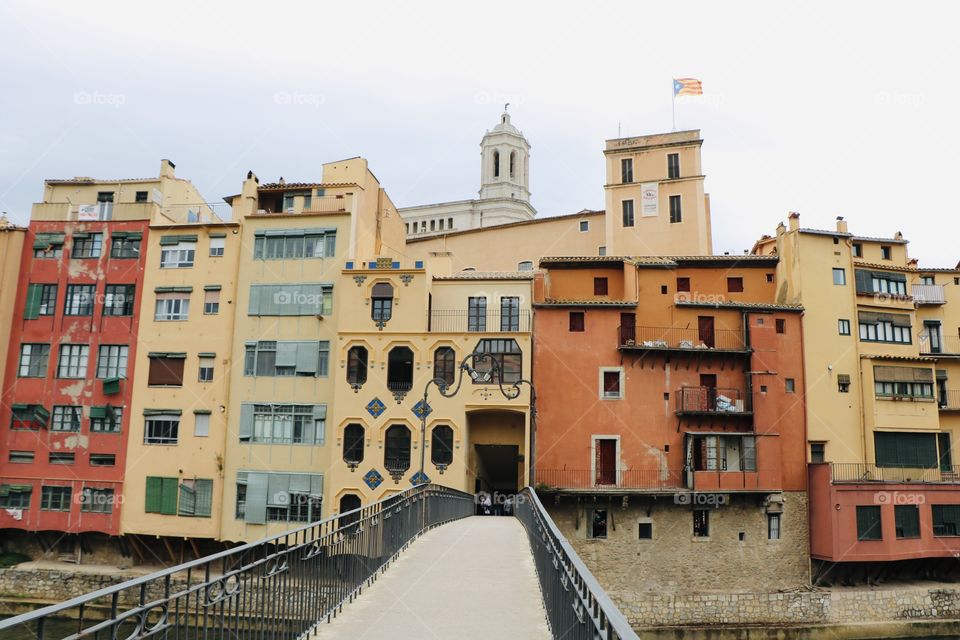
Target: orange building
[(670, 394)]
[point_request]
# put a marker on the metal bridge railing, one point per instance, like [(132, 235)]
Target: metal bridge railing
[(577, 606), (279, 588)]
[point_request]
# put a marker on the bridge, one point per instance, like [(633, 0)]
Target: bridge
[(418, 564)]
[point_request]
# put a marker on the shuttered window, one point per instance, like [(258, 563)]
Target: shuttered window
[(287, 358), (912, 450), (166, 370), (907, 520), (294, 244), (310, 299), (41, 301), (946, 519), (278, 497), (283, 423), (868, 523), (869, 282), (196, 498), (161, 495)]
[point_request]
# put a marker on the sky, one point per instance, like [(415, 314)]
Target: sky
[(822, 108)]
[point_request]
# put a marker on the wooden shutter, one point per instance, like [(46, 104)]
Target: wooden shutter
[(864, 280), (168, 496), (166, 371), (32, 309), (152, 498)]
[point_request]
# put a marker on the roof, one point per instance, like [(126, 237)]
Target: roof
[(580, 214), (609, 261), (487, 275), (867, 356), (746, 306), (890, 240), (847, 234), (284, 186), (665, 261), (593, 302), (89, 180)]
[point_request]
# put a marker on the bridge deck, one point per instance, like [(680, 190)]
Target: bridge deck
[(473, 578)]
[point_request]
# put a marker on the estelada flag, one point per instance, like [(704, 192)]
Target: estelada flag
[(687, 87)]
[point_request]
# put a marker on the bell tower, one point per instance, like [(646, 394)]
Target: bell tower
[(505, 163)]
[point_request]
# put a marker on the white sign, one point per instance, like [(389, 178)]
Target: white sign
[(649, 199), (88, 212)]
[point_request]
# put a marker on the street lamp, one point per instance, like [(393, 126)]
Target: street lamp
[(468, 366)]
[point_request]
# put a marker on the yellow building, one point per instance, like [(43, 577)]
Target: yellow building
[(11, 247), (294, 241), (403, 325), (176, 449)]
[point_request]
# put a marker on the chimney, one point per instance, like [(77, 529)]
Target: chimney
[(781, 229), (913, 263), (246, 203), (898, 236), (166, 169), (841, 225), (793, 221)]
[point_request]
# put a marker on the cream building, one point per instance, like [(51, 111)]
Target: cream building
[(504, 189), (11, 246)]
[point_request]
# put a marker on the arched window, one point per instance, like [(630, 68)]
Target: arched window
[(441, 445), (396, 454), (513, 162), (508, 356), (353, 444), (349, 502), (445, 364), (400, 369), (357, 365), (526, 265), (496, 164), (381, 297)]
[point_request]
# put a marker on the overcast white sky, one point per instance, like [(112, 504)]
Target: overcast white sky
[(824, 108)]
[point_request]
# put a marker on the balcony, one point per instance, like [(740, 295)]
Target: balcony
[(316, 204), (928, 294), (933, 343), (712, 401), (489, 321), (949, 400), (640, 480), (104, 211), (863, 473), (636, 338)]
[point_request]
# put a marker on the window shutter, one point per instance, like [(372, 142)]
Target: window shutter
[(256, 507), (287, 354), (152, 498), (32, 309), (843, 378), (278, 490), (246, 422), (253, 308), (188, 499), (168, 496), (311, 299), (300, 483), (204, 495), (316, 486), (864, 281), (308, 356)]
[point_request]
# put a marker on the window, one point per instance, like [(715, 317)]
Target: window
[(106, 419), (735, 285), (353, 443), (103, 460), (673, 165), (843, 326), (509, 313), (96, 500), (840, 277), (885, 253), (21, 457), (907, 520), (118, 299), (161, 495), (701, 523), (104, 196), (597, 526), (477, 313), (773, 526), (626, 170), (645, 531), (441, 446), (161, 428), (73, 361), (683, 284), (33, 360), (577, 321), (496, 164), (66, 418), (445, 365), (769, 277), (611, 380), (396, 453), (283, 423), (205, 370), (140, 196), (781, 325), (55, 498), (211, 301), (509, 359), (87, 245), (946, 519), (857, 250), (310, 299), (166, 369), (60, 457), (41, 301), (676, 215), (201, 423), (627, 211), (217, 246), (871, 282), (287, 358), (906, 450), (724, 453), (172, 307), (526, 265), (599, 286), (791, 385), (176, 253), (928, 280), (295, 244), (868, 523), (125, 245), (48, 245), (903, 383), (400, 369), (196, 498), (601, 251), (817, 452), (381, 302), (843, 383), (15, 496), (79, 300), (357, 365)]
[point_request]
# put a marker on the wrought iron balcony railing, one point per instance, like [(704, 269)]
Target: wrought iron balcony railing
[(865, 472), (633, 479), (712, 401), (483, 321), (680, 339)]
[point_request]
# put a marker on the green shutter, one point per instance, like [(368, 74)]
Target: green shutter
[(168, 496), (111, 386), (154, 489), (204, 498), (98, 412), (32, 309), (864, 280)]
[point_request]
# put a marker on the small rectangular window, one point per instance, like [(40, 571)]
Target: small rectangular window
[(769, 277), (55, 498), (60, 457), (217, 246), (87, 245), (584, 226), (645, 531), (673, 165), (885, 253), (676, 213), (839, 277), (601, 251), (206, 369), (773, 526), (843, 382), (869, 523), (626, 170), (103, 460), (161, 429), (599, 286), (907, 520), (683, 284), (165, 371), (627, 206), (576, 321), (141, 196), (201, 425), (735, 285), (21, 457), (781, 325), (818, 452), (597, 527), (946, 519), (611, 385), (843, 327), (211, 302), (701, 523), (791, 385)]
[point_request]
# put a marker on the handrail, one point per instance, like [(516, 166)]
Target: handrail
[(584, 612), (282, 586)]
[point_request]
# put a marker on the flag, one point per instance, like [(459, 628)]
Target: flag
[(687, 87)]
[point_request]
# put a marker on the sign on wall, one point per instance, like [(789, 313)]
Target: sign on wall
[(649, 199), (88, 212)]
